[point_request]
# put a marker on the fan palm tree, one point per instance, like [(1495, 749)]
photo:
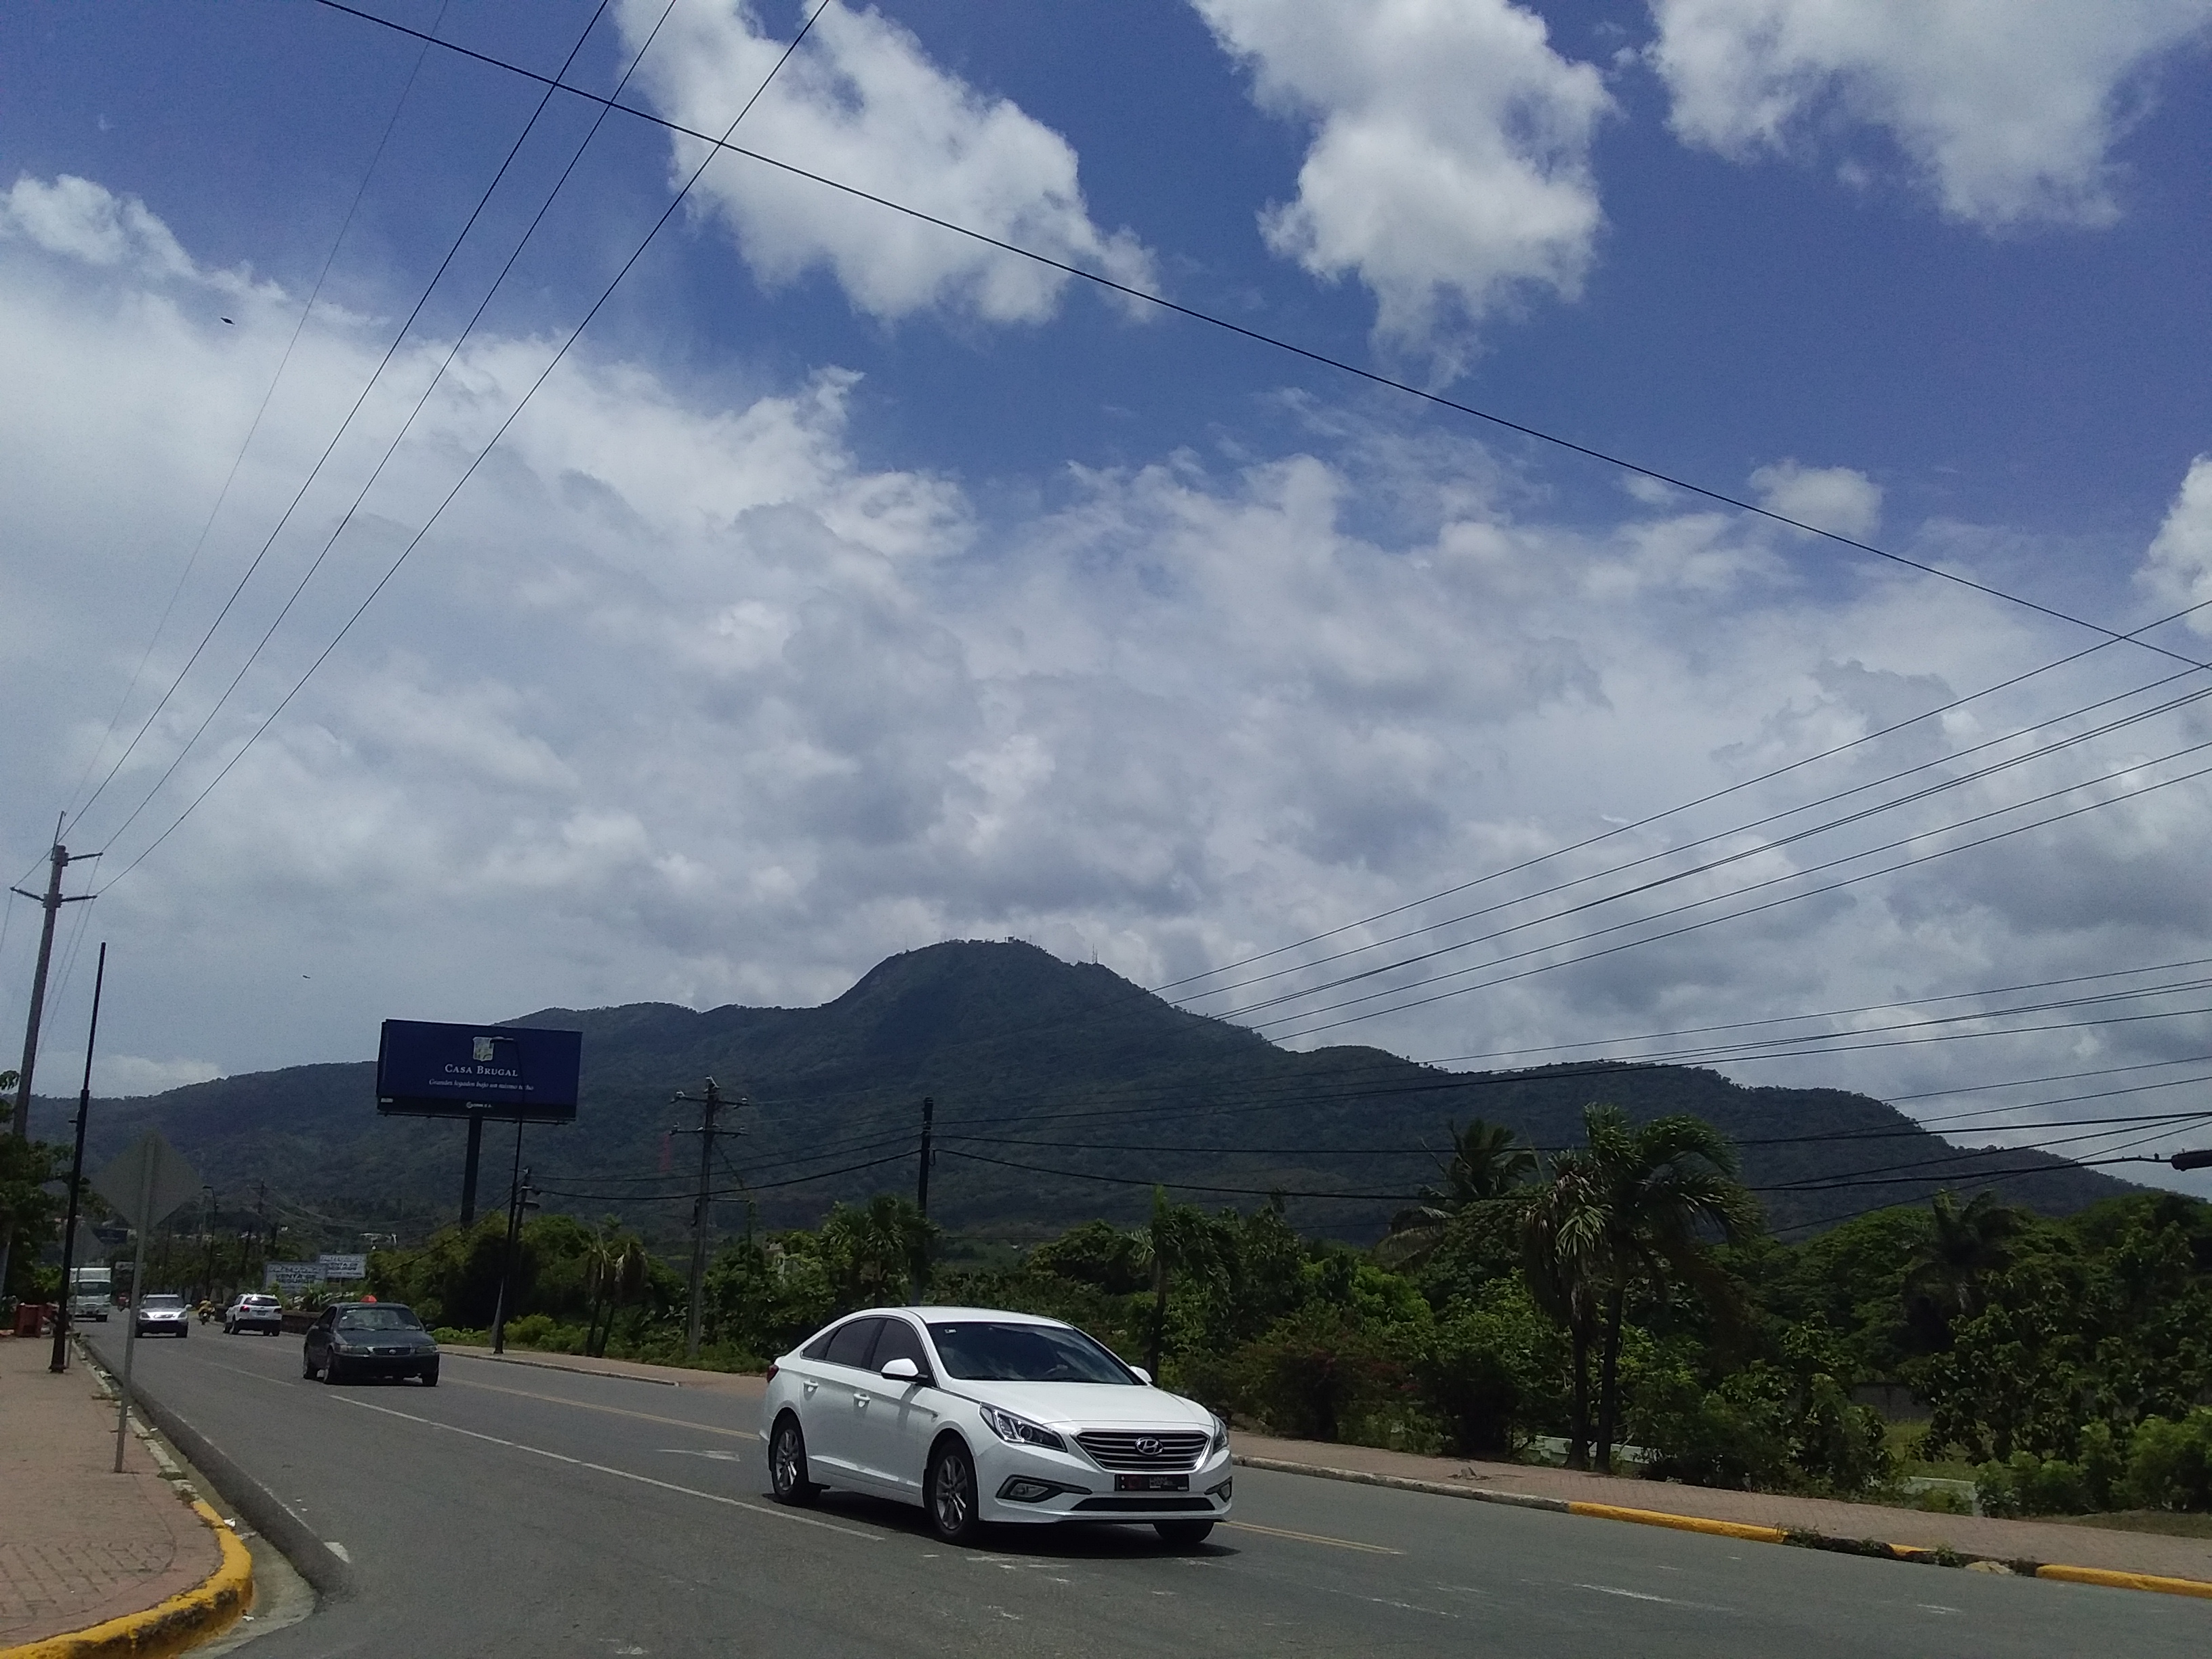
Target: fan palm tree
[(1487, 1164), (1178, 1240), (1663, 1190), (1565, 1248), (1966, 1245)]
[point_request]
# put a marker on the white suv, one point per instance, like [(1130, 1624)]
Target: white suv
[(981, 1416)]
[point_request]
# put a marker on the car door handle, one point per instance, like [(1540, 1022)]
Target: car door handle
[(860, 1402), (809, 1388)]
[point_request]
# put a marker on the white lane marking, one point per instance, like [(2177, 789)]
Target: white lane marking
[(714, 1452), (611, 1411), (338, 1550), (1312, 1538), (1932, 1607), (1664, 1601), (619, 1474)]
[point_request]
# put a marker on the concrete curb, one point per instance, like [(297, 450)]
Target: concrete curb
[(1874, 1548), (185, 1620)]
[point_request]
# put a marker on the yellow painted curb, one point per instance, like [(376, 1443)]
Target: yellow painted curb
[(2134, 1581), (185, 1620), (1682, 1522)]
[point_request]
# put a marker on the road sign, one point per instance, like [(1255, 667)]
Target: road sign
[(343, 1267), (424, 1069), (291, 1277), (147, 1181)]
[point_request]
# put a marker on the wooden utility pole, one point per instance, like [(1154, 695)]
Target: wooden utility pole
[(710, 1104)]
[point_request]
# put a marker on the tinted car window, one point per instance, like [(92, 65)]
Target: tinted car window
[(1024, 1353), (850, 1344), (819, 1348), (379, 1319), (898, 1342), (163, 1300)]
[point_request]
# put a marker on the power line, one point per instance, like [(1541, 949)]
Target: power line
[(1767, 846), (469, 472), (253, 429), (344, 425), (1279, 344)]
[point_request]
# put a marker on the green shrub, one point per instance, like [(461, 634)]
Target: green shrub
[(2028, 1485), (2170, 1463), (541, 1332)]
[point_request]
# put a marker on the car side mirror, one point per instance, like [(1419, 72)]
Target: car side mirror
[(901, 1370), (1143, 1375)]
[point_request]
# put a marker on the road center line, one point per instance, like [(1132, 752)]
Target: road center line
[(620, 1474), (1313, 1538), (613, 1411)]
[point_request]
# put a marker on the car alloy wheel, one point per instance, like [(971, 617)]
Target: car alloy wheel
[(787, 1460), (949, 1498)]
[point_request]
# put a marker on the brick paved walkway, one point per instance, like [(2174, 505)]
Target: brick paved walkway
[(2035, 1541), (78, 1542)]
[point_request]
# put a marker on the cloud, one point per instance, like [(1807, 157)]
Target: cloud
[(861, 102), (2178, 568), (1834, 498), (2007, 109), (700, 701), (1449, 168)]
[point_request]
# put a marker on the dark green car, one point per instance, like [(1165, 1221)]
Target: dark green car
[(351, 1341)]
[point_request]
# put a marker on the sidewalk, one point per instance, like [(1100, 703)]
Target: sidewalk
[(2052, 1541), (79, 1544)]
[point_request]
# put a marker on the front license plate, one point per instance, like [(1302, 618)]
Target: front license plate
[(1151, 1483)]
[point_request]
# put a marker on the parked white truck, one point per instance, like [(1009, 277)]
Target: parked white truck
[(92, 1292)]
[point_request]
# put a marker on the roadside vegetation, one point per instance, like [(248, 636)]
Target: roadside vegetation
[(1618, 1306)]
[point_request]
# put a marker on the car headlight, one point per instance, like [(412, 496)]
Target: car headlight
[(1019, 1431), (1219, 1442)]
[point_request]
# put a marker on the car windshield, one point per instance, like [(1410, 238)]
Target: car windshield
[(258, 1301), (379, 1319), (164, 1302), (983, 1352)]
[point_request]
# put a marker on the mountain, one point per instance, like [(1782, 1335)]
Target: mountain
[(1043, 1072)]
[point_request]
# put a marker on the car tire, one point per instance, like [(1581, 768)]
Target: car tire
[(307, 1368), (430, 1376), (331, 1373), (1182, 1535), (787, 1464), (948, 1494)]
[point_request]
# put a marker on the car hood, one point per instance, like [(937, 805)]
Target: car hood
[(421, 1339), (1088, 1405)]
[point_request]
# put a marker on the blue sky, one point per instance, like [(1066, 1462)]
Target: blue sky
[(851, 586)]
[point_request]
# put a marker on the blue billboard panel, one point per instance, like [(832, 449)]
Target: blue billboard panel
[(427, 1069)]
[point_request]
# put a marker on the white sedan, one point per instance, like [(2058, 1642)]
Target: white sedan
[(981, 1416)]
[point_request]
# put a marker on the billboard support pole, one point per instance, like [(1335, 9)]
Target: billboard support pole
[(469, 1170)]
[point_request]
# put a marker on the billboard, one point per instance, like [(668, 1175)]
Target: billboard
[(426, 1069)]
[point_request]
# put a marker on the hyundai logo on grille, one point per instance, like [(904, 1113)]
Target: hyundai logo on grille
[(1148, 1446)]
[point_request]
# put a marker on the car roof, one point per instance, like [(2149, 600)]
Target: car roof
[(996, 1315)]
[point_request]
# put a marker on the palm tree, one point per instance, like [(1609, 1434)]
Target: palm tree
[(1179, 1239), (1966, 1245), (1565, 1258), (1487, 1164), (1663, 1190), (878, 1253)]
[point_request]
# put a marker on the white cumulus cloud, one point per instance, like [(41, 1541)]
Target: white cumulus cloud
[(1835, 498), (1449, 168), (2178, 567), (2006, 109), (861, 102)]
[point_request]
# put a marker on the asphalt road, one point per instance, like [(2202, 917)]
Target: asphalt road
[(516, 1510)]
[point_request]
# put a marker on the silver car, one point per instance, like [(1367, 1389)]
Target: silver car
[(163, 1314)]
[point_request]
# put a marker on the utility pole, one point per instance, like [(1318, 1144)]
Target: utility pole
[(710, 1104), (922, 1191), (524, 1196), (60, 1361), (51, 902)]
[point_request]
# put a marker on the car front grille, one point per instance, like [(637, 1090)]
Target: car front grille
[(1118, 1449)]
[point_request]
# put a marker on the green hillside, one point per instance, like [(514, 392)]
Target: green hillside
[(1032, 1062)]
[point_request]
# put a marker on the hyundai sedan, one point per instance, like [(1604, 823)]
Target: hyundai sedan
[(981, 1416)]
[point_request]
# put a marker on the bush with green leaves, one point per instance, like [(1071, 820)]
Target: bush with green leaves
[(2170, 1463)]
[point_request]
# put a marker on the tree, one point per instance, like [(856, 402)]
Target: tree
[(1487, 1164), (1966, 1245), (1179, 1240), (1633, 1210), (1566, 1260), (875, 1253), (29, 1211)]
